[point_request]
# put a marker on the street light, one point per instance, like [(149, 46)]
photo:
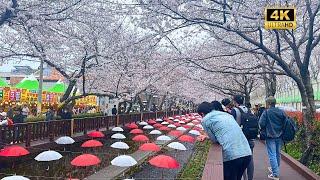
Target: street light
[(39, 104)]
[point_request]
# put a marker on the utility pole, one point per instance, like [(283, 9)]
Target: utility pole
[(39, 104)]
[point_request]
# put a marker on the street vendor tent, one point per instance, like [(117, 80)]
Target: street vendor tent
[(30, 83), (3, 83), (58, 87)]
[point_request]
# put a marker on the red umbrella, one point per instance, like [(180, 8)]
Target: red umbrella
[(175, 133), (92, 143), (157, 125), (186, 126), (13, 151), (170, 121), (164, 128), (136, 131), (149, 147), (163, 161), (132, 126), (186, 138), (96, 134), (85, 160), (140, 138), (197, 128), (177, 124), (152, 122)]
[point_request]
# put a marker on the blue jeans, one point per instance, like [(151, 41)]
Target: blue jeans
[(274, 148)]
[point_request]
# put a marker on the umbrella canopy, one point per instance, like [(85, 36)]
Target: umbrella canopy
[(132, 126), (152, 122), (140, 138), (91, 143), (171, 126), (3, 83), (149, 147), (15, 178), (182, 122), (30, 83), (176, 120), (147, 127), (124, 161), (118, 136), (165, 123), (195, 132), (117, 129), (58, 87), (190, 124), (181, 129), (155, 132), (171, 118), (163, 161), (186, 138), (143, 123), (159, 120), (120, 145), (175, 133), (163, 138), (157, 125), (85, 160), (199, 126), (136, 131), (177, 146), (48, 156), (186, 126), (164, 128), (96, 134), (13, 151), (177, 124), (65, 140)]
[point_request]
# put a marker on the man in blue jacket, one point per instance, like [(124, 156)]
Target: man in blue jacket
[(272, 121), (221, 127)]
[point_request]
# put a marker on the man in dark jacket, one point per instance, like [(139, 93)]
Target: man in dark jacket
[(272, 121), (18, 117), (114, 110)]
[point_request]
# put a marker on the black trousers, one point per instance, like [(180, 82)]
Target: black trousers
[(233, 170)]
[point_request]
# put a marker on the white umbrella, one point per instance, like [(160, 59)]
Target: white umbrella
[(120, 145), (199, 126), (15, 178), (171, 126), (183, 115), (195, 121), (177, 116), (171, 118), (182, 122), (143, 123), (176, 120), (48, 156), (165, 123), (118, 136), (181, 129), (177, 146), (195, 132), (147, 127), (159, 120), (155, 132), (117, 129), (163, 138), (65, 140), (190, 124), (124, 161)]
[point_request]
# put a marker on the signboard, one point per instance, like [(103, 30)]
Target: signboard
[(280, 18), (1, 94)]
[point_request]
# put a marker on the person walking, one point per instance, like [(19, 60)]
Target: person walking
[(272, 121), (25, 111), (50, 114), (222, 128), (237, 111), (227, 104), (114, 110)]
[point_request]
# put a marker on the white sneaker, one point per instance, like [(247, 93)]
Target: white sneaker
[(270, 176), (270, 169)]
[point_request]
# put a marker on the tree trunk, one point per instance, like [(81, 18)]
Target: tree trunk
[(270, 83), (162, 102)]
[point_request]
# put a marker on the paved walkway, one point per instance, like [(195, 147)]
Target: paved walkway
[(214, 170)]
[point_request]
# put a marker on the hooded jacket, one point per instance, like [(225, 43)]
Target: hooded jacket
[(221, 127)]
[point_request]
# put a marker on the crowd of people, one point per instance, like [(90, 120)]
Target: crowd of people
[(235, 126)]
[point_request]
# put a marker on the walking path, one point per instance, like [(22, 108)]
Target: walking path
[(213, 168)]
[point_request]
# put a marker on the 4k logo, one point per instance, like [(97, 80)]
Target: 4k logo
[(280, 18)]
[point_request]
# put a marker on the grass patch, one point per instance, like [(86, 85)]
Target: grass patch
[(194, 168)]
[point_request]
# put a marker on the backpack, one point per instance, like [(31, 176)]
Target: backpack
[(289, 130), (250, 124)]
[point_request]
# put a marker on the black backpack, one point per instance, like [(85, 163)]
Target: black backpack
[(250, 124), (289, 130)]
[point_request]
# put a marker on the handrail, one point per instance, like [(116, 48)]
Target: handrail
[(33, 131)]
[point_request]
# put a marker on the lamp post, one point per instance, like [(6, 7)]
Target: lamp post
[(40, 88)]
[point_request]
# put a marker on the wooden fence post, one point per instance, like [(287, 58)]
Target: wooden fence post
[(71, 127), (141, 116), (28, 135), (117, 124)]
